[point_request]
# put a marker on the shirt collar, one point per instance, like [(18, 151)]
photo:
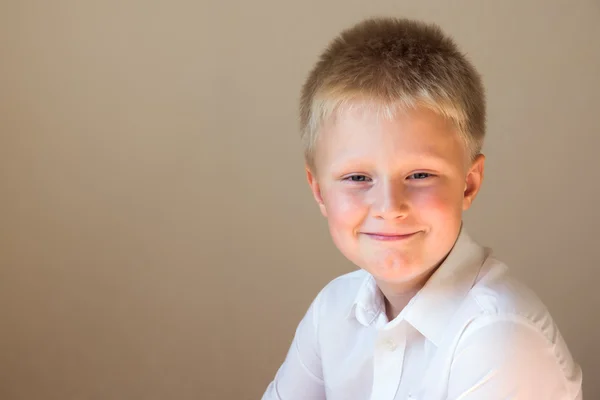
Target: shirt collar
[(433, 306), (369, 302)]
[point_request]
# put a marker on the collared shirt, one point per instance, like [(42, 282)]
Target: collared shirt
[(471, 333)]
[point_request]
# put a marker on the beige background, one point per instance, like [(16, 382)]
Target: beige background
[(157, 239)]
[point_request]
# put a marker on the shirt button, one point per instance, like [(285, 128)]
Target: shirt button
[(391, 345)]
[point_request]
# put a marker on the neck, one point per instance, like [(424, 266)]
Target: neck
[(395, 303), (397, 295)]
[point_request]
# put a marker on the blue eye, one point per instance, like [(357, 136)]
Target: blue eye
[(419, 175), (357, 178)]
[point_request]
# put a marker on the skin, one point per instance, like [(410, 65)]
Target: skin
[(393, 191)]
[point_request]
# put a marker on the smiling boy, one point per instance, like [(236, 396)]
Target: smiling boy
[(393, 120)]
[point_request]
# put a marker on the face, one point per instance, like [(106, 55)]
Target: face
[(393, 190)]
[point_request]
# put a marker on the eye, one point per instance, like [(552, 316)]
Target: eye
[(419, 175), (357, 178)]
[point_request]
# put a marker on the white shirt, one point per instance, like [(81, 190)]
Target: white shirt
[(471, 333)]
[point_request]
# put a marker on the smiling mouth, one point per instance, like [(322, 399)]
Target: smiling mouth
[(389, 236)]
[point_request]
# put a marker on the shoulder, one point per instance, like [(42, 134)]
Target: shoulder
[(512, 332), (508, 352), (338, 296), (347, 284), (497, 295), (343, 289)]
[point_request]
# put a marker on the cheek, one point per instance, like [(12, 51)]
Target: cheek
[(438, 203), (344, 210)]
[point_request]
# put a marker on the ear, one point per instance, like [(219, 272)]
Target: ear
[(473, 181), (315, 189)]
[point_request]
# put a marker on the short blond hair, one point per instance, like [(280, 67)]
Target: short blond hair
[(394, 64)]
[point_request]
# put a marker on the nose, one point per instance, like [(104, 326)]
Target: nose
[(390, 201)]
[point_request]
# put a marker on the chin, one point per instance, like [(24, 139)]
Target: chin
[(395, 272), (396, 267), (395, 275)]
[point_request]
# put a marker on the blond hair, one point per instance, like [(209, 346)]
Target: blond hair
[(394, 64)]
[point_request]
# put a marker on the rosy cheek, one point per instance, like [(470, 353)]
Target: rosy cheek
[(344, 208), (433, 201)]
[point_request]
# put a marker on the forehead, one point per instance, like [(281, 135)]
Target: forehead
[(371, 134)]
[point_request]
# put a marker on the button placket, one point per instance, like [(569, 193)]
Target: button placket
[(388, 363)]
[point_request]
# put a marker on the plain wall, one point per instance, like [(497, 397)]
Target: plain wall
[(157, 237)]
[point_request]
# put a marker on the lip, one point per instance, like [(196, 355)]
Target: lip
[(389, 236)]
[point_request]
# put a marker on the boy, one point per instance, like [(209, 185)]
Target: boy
[(393, 119)]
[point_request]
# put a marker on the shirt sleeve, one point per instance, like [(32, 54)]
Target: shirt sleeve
[(501, 359), (300, 377)]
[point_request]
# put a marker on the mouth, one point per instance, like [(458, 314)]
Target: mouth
[(389, 236)]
